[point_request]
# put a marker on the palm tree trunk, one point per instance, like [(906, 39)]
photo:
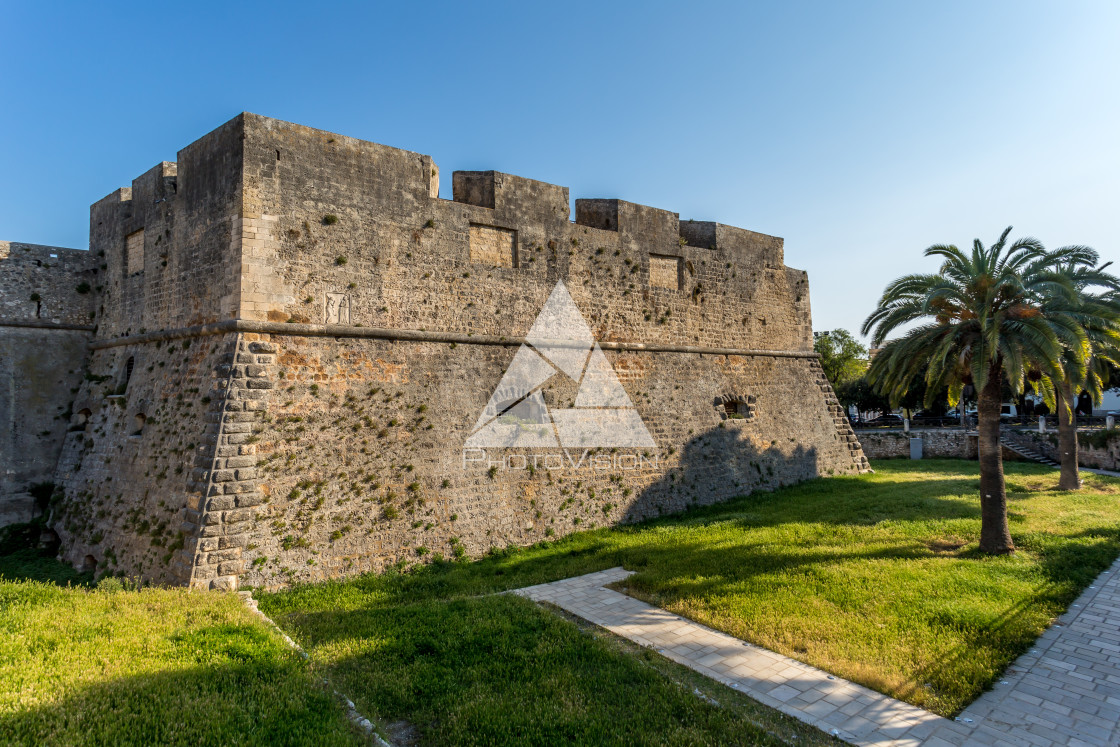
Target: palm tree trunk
[(1067, 438), (995, 536)]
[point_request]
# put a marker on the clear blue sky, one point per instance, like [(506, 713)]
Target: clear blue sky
[(862, 132)]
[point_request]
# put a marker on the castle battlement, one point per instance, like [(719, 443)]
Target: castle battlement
[(267, 220)]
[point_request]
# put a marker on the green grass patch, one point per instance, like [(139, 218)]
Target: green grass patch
[(876, 578), (157, 666)]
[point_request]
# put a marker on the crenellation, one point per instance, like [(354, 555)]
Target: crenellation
[(648, 228), (747, 248), (119, 195), (701, 234), (601, 214), (474, 188)]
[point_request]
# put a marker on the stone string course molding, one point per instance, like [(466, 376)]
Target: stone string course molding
[(415, 335), (323, 340)]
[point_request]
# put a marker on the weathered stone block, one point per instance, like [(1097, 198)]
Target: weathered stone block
[(249, 499), (230, 569), (238, 540), (220, 503), (223, 555), (239, 514)]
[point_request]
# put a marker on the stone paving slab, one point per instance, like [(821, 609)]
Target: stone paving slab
[(1064, 691)]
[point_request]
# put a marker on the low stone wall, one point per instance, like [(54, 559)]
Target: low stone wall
[(1107, 457), (948, 443), (951, 443)]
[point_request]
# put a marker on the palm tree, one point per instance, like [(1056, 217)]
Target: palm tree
[(985, 316), (1091, 297)]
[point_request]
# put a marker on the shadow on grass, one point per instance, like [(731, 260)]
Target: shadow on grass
[(696, 569), (32, 565), (662, 541), (244, 704), (153, 682), (499, 670), (1069, 565)]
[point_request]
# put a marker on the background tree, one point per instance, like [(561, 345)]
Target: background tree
[(1089, 295), (1113, 380), (982, 318), (860, 394), (917, 395), (843, 358)]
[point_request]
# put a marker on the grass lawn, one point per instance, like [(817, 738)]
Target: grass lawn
[(158, 666), (875, 578)]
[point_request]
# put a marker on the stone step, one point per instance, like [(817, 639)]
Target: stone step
[(1025, 452)]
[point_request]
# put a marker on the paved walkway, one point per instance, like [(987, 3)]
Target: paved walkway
[(845, 709), (1065, 691)]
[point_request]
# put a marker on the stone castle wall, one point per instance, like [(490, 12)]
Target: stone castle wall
[(126, 470), (296, 336), (1095, 457), (47, 286), (47, 297)]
